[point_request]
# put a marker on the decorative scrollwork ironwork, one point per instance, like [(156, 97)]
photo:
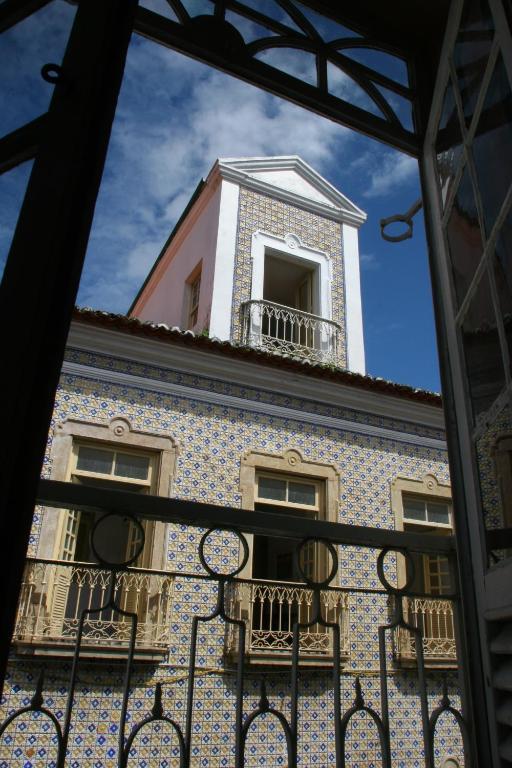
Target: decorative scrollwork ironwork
[(312, 625), (268, 47), (360, 706), (276, 328), (157, 715), (37, 705)]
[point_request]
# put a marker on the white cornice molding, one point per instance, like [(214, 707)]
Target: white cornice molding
[(239, 172), (177, 357), (243, 404)]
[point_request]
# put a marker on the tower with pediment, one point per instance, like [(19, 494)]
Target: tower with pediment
[(265, 255)]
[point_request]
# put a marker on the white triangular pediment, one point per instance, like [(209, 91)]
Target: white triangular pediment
[(293, 182), (295, 179)]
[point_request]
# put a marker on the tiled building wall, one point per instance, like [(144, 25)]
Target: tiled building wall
[(211, 441), (260, 212)]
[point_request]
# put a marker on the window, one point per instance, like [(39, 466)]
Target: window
[(65, 579), (290, 310), (275, 558), (291, 492), (194, 290), (300, 487), (107, 467), (290, 283), (428, 511), (274, 599), (425, 505), (108, 455), (432, 572)]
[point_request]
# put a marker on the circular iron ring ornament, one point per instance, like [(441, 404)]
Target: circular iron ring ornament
[(127, 519), (215, 574), (401, 218), (51, 73), (334, 568), (399, 591)]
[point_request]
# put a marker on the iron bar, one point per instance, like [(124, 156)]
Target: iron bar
[(301, 624), (278, 328), (42, 272), (238, 63), (22, 144), (360, 706), (54, 493), (14, 11)]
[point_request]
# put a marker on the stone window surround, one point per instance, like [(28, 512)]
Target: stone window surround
[(117, 432), (290, 463), (291, 245), (428, 487)]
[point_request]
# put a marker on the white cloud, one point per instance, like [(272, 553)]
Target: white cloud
[(175, 118), (389, 170), (141, 258), (369, 262)]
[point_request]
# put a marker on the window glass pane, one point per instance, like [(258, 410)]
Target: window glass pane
[(438, 513), (414, 509), (301, 493), (159, 6), (492, 145), (492, 450), (384, 63), (482, 350), (448, 143), (198, 7), (128, 465), (272, 488), (472, 51), (13, 185), (464, 237), (25, 48), (327, 28), (502, 268), (291, 61), (94, 460), (194, 291)]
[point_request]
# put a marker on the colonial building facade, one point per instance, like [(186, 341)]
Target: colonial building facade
[(263, 271)]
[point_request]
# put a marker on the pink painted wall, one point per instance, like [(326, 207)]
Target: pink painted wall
[(165, 299)]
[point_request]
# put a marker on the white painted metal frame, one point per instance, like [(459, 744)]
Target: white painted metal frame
[(461, 403)]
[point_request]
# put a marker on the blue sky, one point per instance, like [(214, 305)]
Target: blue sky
[(174, 118)]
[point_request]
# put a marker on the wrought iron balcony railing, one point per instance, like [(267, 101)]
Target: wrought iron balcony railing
[(114, 603), (277, 328), (434, 617), (271, 610), (54, 595)]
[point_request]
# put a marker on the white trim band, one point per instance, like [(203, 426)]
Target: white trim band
[(231, 401)]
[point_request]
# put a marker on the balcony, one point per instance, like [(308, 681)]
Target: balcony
[(199, 614), (54, 594), (276, 328), (271, 610), (434, 617)]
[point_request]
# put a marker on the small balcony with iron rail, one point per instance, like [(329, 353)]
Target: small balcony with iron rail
[(289, 311), (434, 618), (60, 599), (272, 609), (287, 331)]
